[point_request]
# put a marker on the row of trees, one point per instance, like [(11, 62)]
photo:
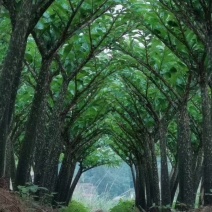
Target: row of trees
[(55, 62), (81, 76), (165, 99)]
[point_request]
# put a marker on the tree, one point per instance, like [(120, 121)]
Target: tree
[(22, 22), (196, 16)]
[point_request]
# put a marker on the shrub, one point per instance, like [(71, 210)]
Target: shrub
[(124, 206), (75, 206)]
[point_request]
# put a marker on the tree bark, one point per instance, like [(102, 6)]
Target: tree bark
[(140, 200), (28, 146), (207, 138), (13, 167), (40, 143), (198, 169), (147, 185), (15, 55), (174, 180), (186, 192), (165, 181), (3, 144), (73, 186), (133, 173), (65, 177), (12, 67), (48, 178), (53, 139), (155, 176)]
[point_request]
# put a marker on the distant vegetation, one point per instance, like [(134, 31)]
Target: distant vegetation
[(113, 182)]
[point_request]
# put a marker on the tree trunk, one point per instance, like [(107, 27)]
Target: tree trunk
[(174, 180), (198, 169), (73, 186), (155, 176), (6, 126), (12, 67), (152, 171), (207, 126), (3, 145), (28, 146), (186, 192), (41, 149), (165, 181), (65, 177), (8, 161), (133, 173), (140, 200), (147, 185), (13, 168), (53, 139), (207, 139), (48, 178)]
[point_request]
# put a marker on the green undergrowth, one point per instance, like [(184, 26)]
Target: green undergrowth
[(124, 206), (76, 206), (95, 202)]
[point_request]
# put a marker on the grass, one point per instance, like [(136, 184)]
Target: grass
[(95, 202)]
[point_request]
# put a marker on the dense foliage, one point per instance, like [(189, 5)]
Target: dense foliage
[(84, 83)]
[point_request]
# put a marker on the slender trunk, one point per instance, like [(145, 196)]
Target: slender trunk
[(8, 161), (147, 184), (28, 146), (152, 171), (174, 180), (155, 176), (137, 186), (133, 173), (186, 192), (3, 145), (198, 169), (140, 200), (148, 174), (165, 181), (73, 186), (13, 167), (12, 67), (65, 177), (201, 196)]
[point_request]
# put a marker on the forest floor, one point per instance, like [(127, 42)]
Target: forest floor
[(11, 202)]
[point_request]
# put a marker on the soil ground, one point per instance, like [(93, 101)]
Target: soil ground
[(11, 202)]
